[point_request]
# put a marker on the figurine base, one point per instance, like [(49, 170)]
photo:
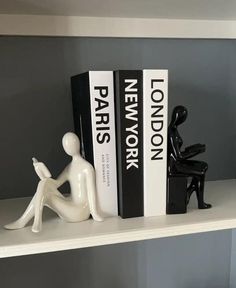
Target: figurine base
[(176, 194)]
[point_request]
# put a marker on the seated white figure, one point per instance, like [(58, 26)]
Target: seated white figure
[(78, 206)]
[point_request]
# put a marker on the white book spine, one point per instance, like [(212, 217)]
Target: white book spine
[(104, 139), (155, 123)]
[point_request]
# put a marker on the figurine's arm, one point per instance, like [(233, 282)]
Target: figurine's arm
[(176, 149), (45, 175), (193, 150), (91, 190), (62, 178), (189, 152)]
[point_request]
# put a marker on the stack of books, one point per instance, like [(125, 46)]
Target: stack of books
[(121, 119)]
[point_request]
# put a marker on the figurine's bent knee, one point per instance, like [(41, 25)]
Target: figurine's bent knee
[(45, 185), (42, 183)]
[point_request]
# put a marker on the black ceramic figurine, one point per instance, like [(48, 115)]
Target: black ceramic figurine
[(180, 168)]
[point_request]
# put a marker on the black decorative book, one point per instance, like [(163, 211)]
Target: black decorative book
[(129, 141)]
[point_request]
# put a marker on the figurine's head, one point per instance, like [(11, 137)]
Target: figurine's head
[(71, 144), (179, 115)]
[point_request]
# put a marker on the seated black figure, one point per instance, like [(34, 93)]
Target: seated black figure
[(180, 168)]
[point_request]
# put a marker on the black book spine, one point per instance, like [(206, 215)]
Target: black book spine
[(82, 114), (129, 129)]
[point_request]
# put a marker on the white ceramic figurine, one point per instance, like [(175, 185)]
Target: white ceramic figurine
[(82, 200)]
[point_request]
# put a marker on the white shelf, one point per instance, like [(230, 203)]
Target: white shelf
[(123, 18), (58, 235), (42, 25), (171, 9)]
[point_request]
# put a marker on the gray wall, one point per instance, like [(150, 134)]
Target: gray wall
[(35, 101), (35, 109), (232, 88), (233, 261)]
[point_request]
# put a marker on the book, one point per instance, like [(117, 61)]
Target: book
[(155, 109), (129, 141), (94, 117)]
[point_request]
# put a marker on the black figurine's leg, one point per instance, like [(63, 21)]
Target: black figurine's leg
[(192, 188), (200, 193)]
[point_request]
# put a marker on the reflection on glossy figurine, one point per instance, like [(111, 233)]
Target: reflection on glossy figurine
[(82, 200), (180, 168)]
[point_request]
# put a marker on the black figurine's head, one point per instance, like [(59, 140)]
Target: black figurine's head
[(179, 115)]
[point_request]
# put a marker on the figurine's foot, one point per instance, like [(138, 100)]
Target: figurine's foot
[(204, 206), (36, 228), (18, 224), (98, 218)]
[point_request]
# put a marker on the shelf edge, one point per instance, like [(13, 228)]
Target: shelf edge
[(114, 238), (73, 26)]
